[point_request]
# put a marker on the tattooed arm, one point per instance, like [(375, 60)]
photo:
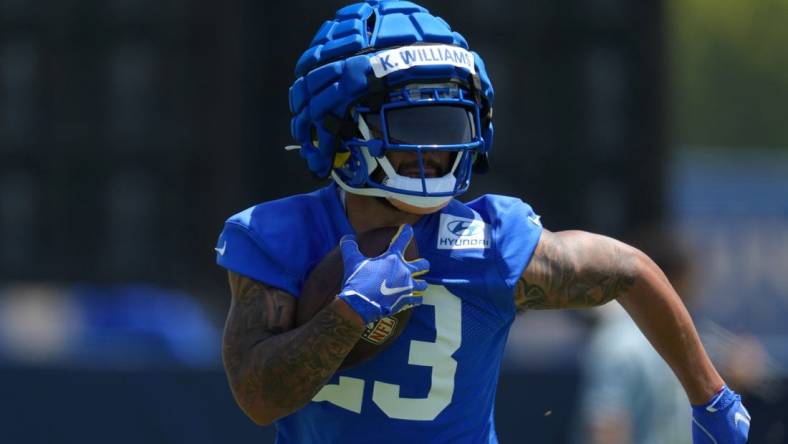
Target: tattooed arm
[(274, 368), (573, 269)]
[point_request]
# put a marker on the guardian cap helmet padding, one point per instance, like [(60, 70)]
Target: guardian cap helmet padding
[(388, 75)]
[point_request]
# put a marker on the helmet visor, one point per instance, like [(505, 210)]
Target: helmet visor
[(425, 125)]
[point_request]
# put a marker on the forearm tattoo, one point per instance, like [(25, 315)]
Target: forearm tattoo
[(294, 374), (575, 269), (270, 363)]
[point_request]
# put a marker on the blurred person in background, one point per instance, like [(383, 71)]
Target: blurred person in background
[(390, 103), (628, 393)]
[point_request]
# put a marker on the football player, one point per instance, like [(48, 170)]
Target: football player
[(390, 103)]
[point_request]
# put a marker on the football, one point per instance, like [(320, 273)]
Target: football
[(323, 284)]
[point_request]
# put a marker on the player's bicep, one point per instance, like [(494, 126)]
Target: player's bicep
[(257, 312), (573, 269)]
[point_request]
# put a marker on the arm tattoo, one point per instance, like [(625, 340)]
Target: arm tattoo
[(293, 376), (257, 312), (575, 269), (269, 362)]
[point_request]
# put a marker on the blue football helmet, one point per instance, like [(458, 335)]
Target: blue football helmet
[(388, 75)]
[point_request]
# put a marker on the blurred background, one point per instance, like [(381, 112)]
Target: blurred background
[(131, 129)]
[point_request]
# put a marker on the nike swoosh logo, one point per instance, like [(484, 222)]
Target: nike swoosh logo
[(388, 291), (221, 250), (739, 417)]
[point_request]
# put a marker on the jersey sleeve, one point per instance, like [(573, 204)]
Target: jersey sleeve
[(516, 232), (242, 250)]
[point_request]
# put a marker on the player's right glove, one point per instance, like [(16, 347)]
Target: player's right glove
[(384, 285), (722, 420)]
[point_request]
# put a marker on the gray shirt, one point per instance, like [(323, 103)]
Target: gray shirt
[(623, 373)]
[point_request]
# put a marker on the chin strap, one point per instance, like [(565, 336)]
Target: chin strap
[(416, 201)]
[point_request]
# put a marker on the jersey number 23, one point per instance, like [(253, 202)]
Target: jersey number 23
[(349, 392)]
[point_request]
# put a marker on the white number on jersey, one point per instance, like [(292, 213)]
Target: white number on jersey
[(349, 392)]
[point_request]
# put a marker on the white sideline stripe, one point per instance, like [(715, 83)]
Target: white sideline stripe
[(355, 272), (711, 407), (714, 441), (355, 293)]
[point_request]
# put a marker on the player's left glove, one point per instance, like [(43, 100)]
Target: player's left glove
[(723, 420)]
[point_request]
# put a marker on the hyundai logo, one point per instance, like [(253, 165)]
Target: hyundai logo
[(462, 227)]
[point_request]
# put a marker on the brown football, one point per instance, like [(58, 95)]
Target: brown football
[(323, 284)]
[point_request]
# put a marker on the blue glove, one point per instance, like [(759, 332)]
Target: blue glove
[(384, 285), (723, 420)]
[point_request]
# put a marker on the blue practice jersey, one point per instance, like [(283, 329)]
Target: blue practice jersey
[(436, 383)]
